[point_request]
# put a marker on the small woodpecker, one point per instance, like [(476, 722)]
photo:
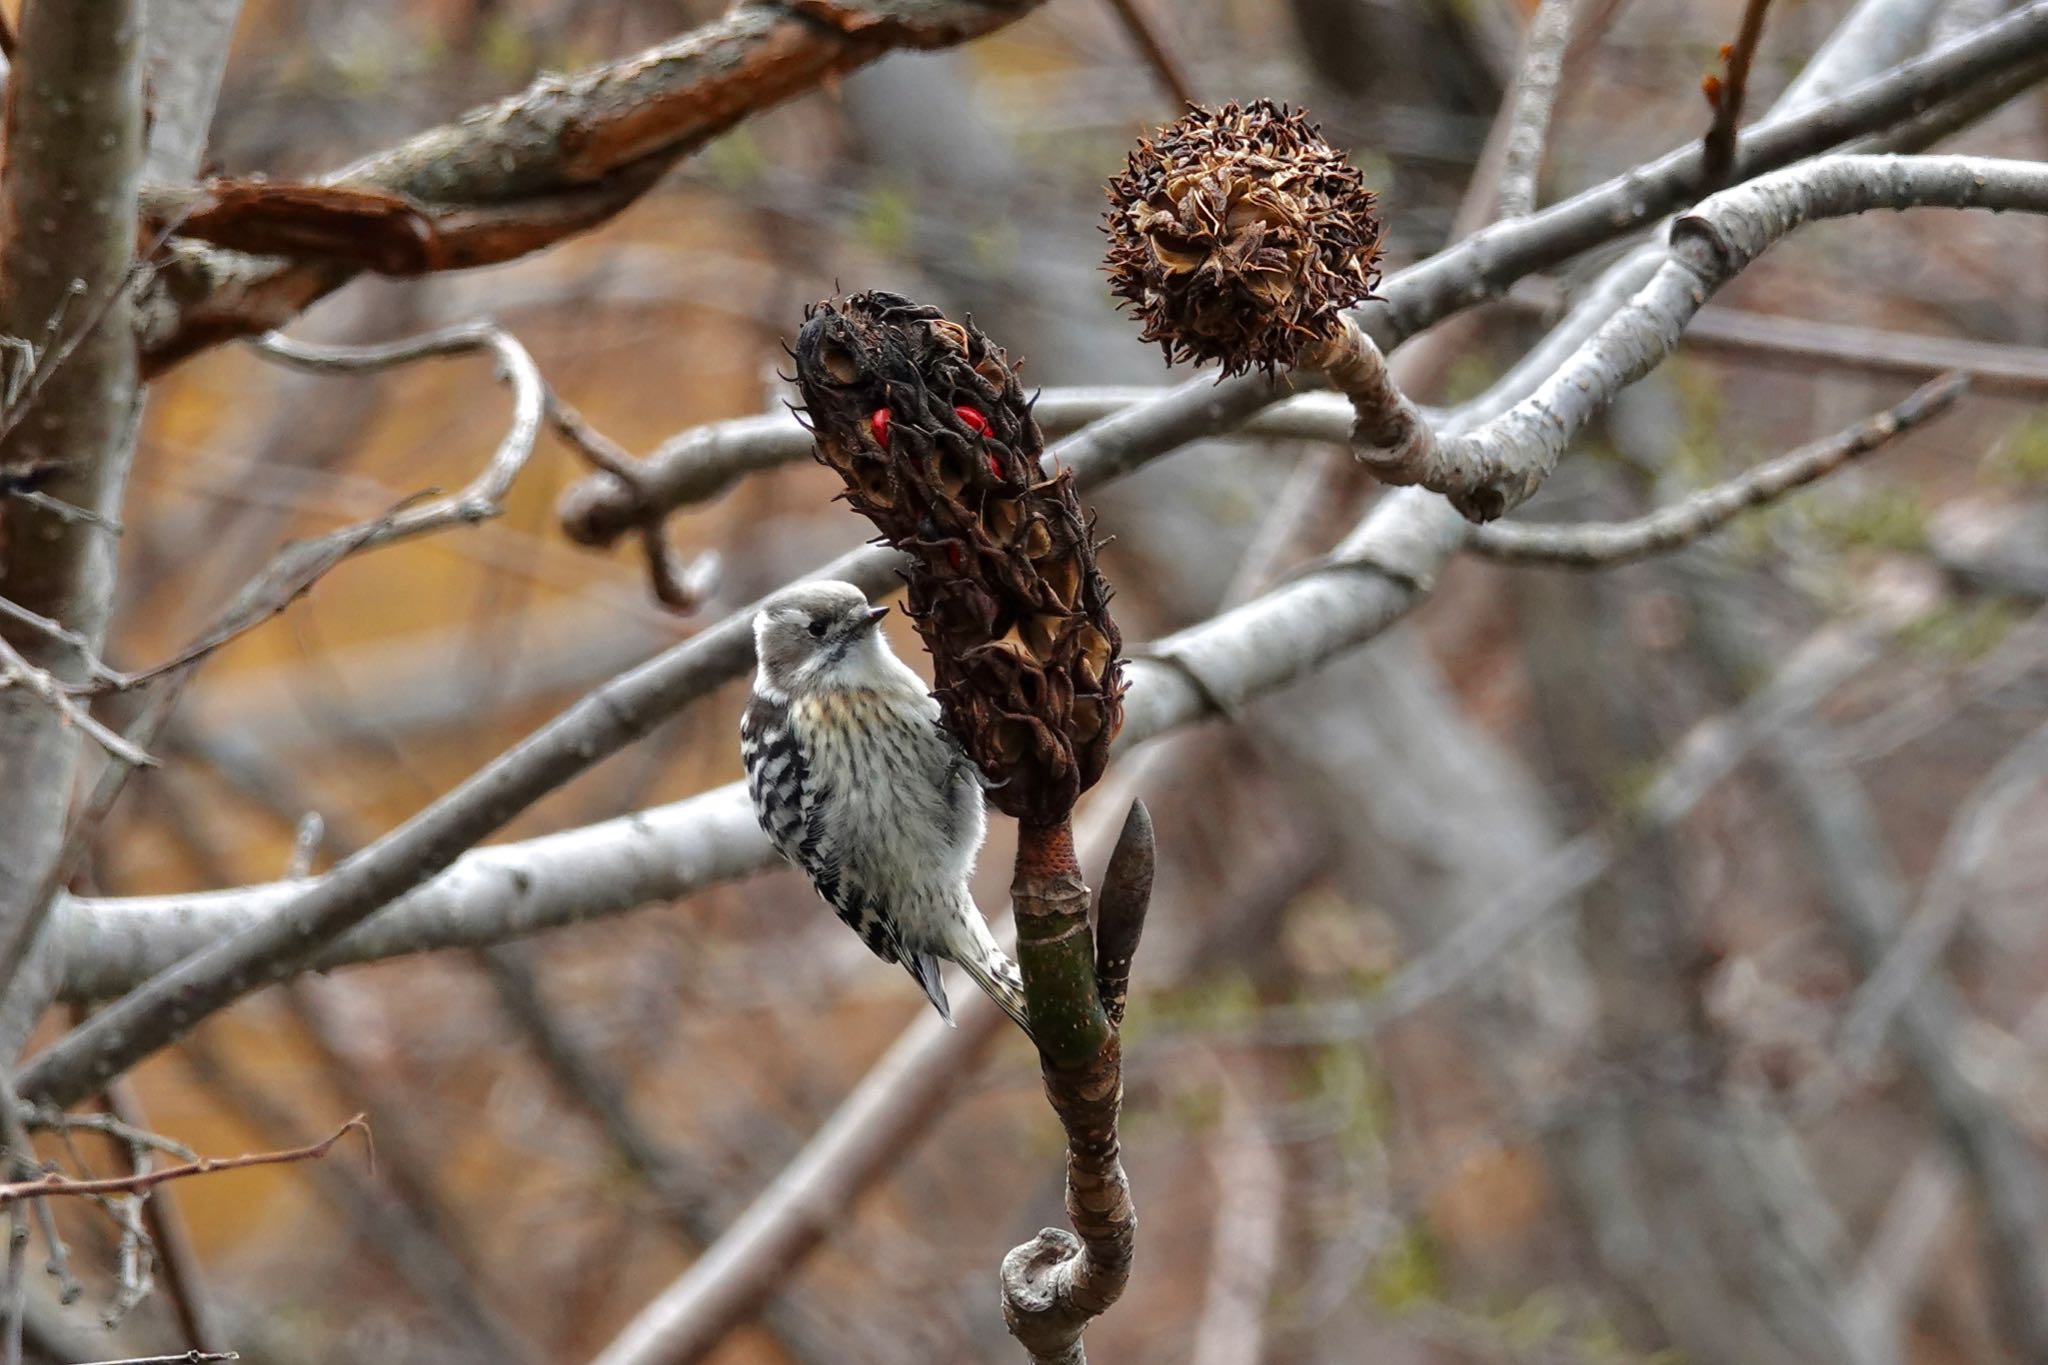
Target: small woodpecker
[(856, 782)]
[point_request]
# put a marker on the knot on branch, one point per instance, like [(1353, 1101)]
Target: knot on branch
[(1237, 234), (1038, 1282), (1695, 235), (924, 420)]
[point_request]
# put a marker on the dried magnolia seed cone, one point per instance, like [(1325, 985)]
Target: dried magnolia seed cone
[(925, 422), (1237, 234)]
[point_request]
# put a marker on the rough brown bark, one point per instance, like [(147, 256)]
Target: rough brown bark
[(562, 156)]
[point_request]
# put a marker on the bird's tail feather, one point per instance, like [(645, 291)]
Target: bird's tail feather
[(924, 969), (1000, 980)]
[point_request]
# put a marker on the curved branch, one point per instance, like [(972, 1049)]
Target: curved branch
[(483, 497), (1599, 545), (1496, 467), (1058, 1282)]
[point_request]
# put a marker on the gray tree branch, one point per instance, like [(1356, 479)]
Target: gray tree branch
[(185, 54), (1603, 544), (1494, 468), (67, 235)]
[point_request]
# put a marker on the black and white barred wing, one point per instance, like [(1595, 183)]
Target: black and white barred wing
[(786, 801), (790, 801)]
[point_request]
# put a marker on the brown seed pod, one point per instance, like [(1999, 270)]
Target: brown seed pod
[(1236, 234), (924, 420)]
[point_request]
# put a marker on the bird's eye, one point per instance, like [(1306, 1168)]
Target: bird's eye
[(817, 629)]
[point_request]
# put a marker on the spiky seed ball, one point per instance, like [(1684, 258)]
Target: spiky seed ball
[(1237, 234)]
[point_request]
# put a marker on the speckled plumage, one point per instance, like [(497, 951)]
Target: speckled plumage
[(856, 782)]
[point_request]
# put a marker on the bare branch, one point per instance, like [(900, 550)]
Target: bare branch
[(1874, 36), (67, 237), (1717, 151), (1601, 544), (1496, 467), (1992, 367), (676, 587), (1534, 96), (186, 52), (1167, 72), (1493, 257), (16, 671), (483, 497), (295, 569), (564, 156), (57, 1183), (701, 464), (42, 1118)]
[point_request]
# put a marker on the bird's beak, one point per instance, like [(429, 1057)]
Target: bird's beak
[(874, 616)]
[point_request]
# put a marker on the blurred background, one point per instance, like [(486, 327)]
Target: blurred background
[(1659, 1122)]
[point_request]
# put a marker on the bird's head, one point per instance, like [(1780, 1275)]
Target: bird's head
[(816, 636)]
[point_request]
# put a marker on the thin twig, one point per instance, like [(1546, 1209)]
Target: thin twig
[(45, 1118), (188, 1358), (63, 635), (59, 1264), (1599, 545), (675, 586), (1718, 150), (56, 1183), (17, 671), (1166, 71), (1992, 367), (483, 497), (164, 1223)]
